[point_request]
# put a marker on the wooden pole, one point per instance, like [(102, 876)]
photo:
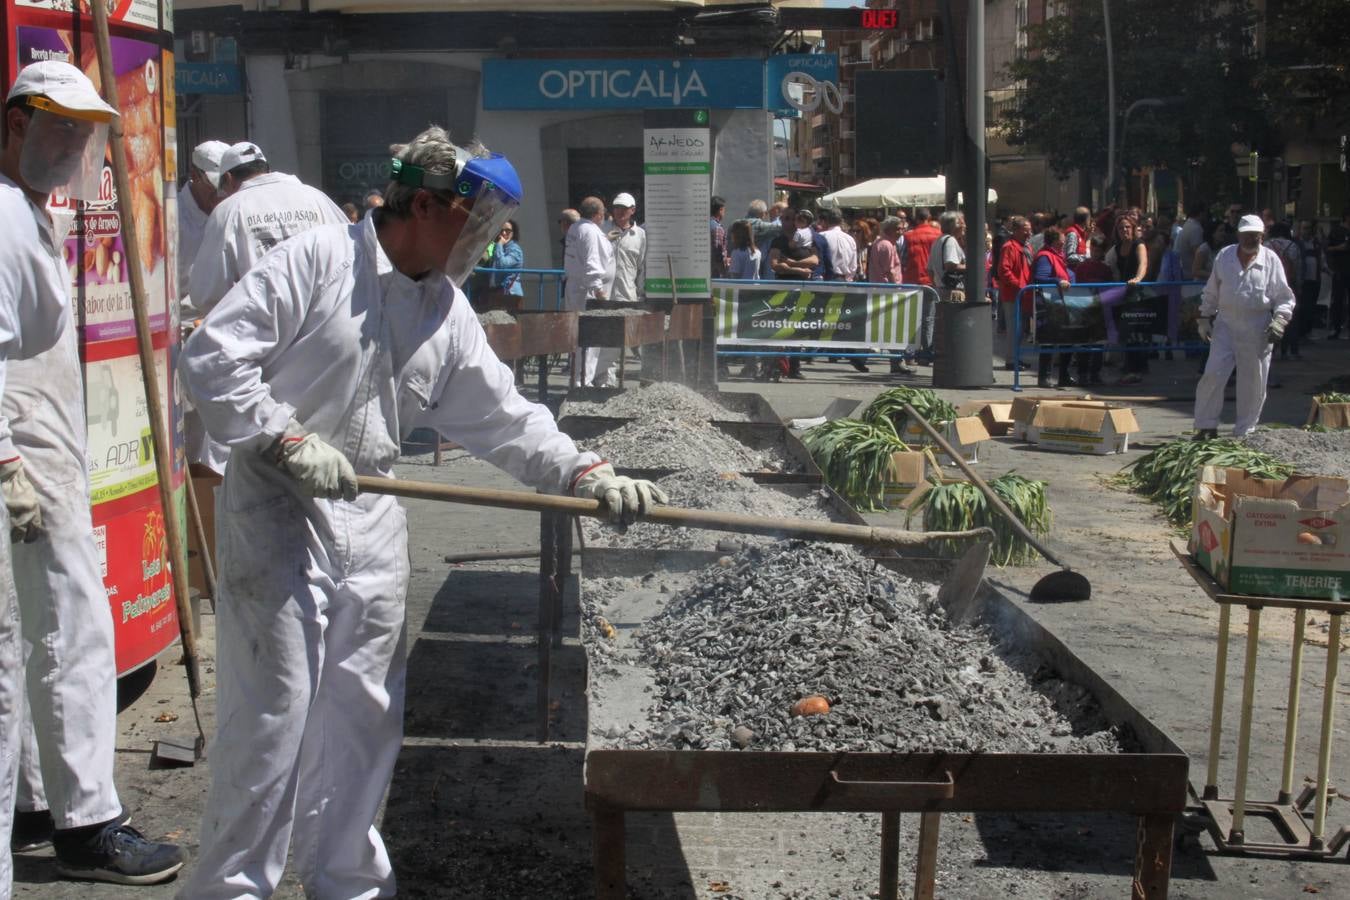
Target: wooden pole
[(158, 429)]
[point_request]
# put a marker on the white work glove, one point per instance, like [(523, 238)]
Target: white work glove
[(25, 515), (1275, 331), (1205, 325), (320, 468), (627, 499)]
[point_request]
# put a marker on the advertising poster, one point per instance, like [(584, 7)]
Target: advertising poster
[(127, 515), (818, 315), (1117, 315), (677, 185)]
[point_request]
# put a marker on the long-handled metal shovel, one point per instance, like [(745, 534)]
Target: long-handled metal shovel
[(1053, 588), (957, 595)]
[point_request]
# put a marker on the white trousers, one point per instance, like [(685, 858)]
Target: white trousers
[(604, 372), (11, 706), (310, 670), (71, 664), (1245, 348)]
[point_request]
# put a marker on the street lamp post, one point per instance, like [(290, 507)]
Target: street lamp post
[(1144, 103)]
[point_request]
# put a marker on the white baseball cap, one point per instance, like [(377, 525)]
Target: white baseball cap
[(1250, 223), (69, 89), (207, 157), (624, 199), (240, 154)]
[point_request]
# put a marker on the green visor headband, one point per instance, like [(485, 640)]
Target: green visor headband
[(418, 177)]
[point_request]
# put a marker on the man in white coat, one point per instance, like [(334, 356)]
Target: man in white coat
[(196, 199), (261, 208), (55, 136), (588, 263), (1244, 309), (629, 242), (312, 369)]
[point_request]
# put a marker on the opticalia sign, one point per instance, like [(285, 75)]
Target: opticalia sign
[(623, 83)]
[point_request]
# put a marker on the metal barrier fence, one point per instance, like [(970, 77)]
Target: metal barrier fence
[(547, 290), (1116, 310), (796, 347)]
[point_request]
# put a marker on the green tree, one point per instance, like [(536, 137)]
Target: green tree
[(1197, 54), (1305, 76)]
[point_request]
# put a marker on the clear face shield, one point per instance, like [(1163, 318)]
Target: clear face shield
[(63, 150), (486, 192)]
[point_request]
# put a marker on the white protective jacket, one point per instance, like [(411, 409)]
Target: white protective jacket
[(630, 263), (191, 228), (588, 262), (1247, 298), (266, 210), (311, 659), (34, 309)]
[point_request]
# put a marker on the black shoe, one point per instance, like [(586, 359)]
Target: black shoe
[(119, 854), (1206, 434), (32, 830), (858, 365)]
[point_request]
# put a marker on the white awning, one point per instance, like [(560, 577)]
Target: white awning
[(888, 193)]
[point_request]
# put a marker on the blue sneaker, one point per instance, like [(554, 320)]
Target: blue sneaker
[(119, 854)]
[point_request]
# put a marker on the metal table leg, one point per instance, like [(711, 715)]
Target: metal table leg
[(1324, 746), (1291, 716), (1153, 857), (563, 532), (1235, 835), (890, 856), (925, 873), (607, 852), (1216, 709)]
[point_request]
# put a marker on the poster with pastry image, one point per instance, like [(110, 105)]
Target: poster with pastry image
[(140, 13), (96, 251)]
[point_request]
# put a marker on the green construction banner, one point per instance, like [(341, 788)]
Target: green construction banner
[(818, 314)]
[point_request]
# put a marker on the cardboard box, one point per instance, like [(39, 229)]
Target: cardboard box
[(963, 433), (1330, 415), (995, 415), (1082, 428), (1024, 410), (1273, 538), (909, 470)]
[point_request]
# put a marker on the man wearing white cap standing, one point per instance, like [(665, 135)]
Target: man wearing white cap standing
[(55, 136), (630, 277), (261, 209), (1244, 309), (196, 199)]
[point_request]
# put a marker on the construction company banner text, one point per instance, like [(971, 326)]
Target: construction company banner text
[(817, 313)]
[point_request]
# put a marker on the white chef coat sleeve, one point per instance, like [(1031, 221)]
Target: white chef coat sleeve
[(596, 270), (8, 336), (1280, 294), (254, 323), (1209, 294), (477, 406), (641, 290), (216, 266)]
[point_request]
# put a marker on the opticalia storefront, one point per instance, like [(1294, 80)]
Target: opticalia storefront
[(571, 123)]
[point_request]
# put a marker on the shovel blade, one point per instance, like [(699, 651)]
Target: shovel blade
[(960, 590), (1061, 587)]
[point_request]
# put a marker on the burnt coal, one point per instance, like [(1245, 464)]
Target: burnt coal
[(681, 444), (665, 398)]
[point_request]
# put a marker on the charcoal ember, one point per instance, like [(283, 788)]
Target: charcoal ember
[(744, 641), (720, 491), (681, 444), (670, 399), (1309, 452)]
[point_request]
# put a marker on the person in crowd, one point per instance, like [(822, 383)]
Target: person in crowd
[(947, 260), (311, 641), (1338, 261), (351, 212), (1039, 221), (717, 236), (1001, 234), (374, 199), (197, 198), (1129, 256), (1094, 270), (588, 263), (1049, 267), (883, 256), (793, 257), (1191, 237), (1217, 236), (508, 255), (1245, 308), (840, 247), (1280, 239), (1311, 265), (914, 255), (1076, 237), (1014, 273), (744, 253), (57, 647), (630, 249), (863, 232), (763, 222)]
